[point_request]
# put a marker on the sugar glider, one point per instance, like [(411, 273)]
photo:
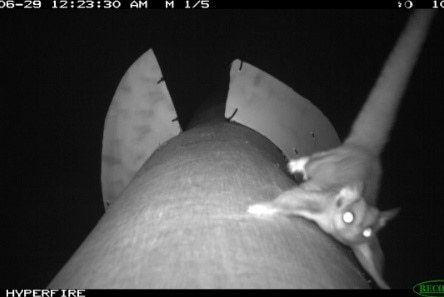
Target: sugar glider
[(340, 186)]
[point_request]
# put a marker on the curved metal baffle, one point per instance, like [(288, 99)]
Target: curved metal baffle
[(273, 109), (139, 119)]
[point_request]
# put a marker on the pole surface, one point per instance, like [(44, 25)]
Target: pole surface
[(182, 223)]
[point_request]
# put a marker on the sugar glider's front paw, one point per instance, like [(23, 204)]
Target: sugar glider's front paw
[(262, 209), (297, 166)]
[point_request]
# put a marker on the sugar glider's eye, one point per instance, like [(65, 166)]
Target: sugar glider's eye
[(367, 232), (348, 217)]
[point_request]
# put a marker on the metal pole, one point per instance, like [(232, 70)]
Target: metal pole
[(182, 223)]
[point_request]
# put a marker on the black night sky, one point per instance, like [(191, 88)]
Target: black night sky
[(60, 70)]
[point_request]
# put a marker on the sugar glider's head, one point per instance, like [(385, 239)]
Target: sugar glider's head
[(355, 221)]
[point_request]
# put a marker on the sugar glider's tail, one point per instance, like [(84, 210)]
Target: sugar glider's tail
[(375, 120)]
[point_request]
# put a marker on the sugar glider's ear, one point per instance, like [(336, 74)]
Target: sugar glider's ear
[(387, 215), (371, 258), (349, 193)]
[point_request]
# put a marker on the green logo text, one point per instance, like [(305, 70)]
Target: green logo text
[(430, 288)]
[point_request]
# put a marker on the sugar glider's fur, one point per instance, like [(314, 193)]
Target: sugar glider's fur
[(340, 186), (345, 215), (358, 158)]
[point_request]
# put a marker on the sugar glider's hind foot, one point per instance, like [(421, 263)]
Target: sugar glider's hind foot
[(297, 167), (262, 209)]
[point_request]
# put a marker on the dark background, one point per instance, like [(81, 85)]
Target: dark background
[(60, 70)]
